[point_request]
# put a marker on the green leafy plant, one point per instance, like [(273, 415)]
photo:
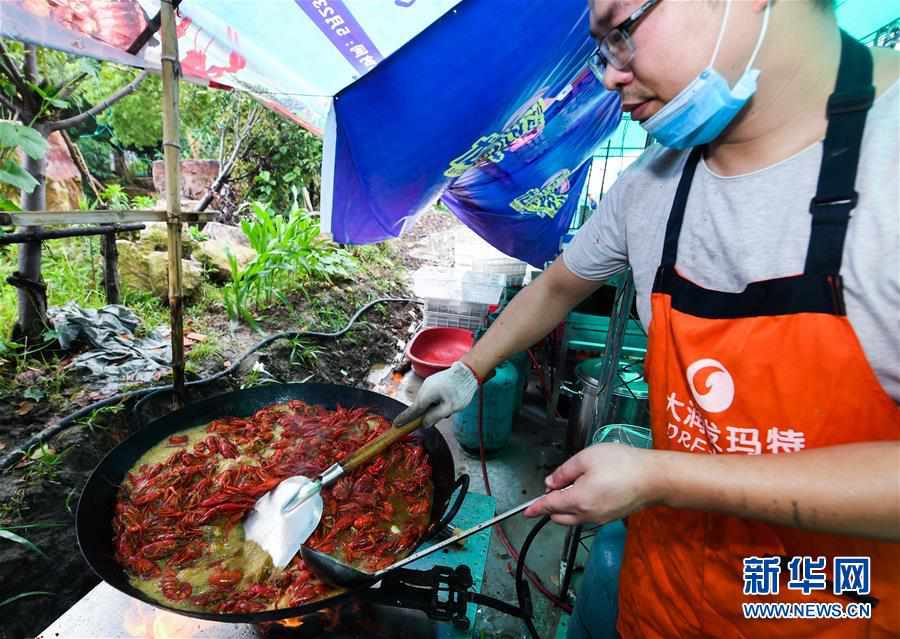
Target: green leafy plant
[(71, 498), (115, 197), (9, 348), (7, 533), (204, 351), (97, 154), (289, 252), (140, 167), (23, 595), (303, 353), (237, 293), (44, 463), (14, 135), (196, 234), (93, 421), (257, 376), (145, 202), (280, 157)]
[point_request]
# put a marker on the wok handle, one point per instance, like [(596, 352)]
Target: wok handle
[(379, 444), (461, 483)]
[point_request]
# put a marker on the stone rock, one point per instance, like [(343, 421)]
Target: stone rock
[(158, 269), (142, 269), (133, 270), (156, 238), (231, 234), (186, 205), (212, 254), (63, 195), (196, 177)]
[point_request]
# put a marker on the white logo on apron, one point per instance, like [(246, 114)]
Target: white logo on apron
[(719, 387)]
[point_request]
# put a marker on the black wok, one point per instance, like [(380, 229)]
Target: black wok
[(95, 508)]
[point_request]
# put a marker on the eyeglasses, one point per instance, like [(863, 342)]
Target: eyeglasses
[(617, 48)]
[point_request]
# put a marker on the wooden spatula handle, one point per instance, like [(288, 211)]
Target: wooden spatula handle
[(377, 445)]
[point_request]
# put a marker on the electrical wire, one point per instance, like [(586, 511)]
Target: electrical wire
[(44, 435), (532, 577), (536, 366)]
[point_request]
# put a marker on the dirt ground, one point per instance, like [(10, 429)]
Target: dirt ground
[(42, 491)]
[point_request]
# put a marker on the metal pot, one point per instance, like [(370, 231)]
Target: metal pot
[(93, 522), (628, 401)]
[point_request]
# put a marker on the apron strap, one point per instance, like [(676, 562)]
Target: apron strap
[(676, 215), (835, 194)]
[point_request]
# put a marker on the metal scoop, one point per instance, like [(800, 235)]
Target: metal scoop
[(284, 518), (340, 574)]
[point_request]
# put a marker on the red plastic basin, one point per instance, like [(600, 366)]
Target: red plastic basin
[(435, 349)]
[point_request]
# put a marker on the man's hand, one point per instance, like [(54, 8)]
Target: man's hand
[(441, 395), (608, 481), (822, 489)]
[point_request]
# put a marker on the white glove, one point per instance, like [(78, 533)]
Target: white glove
[(441, 395)]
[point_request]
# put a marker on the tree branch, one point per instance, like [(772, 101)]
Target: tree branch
[(225, 169), (128, 89), (10, 70), (86, 175), (69, 86), (9, 104)]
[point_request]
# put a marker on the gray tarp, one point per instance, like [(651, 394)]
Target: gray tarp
[(116, 357)]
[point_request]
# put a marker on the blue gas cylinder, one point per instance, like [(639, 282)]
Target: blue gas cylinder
[(499, 408), (597, 600)]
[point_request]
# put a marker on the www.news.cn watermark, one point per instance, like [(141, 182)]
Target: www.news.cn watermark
[(851, 578), (807, 610)]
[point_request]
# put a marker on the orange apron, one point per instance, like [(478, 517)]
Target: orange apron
[(774, 369)]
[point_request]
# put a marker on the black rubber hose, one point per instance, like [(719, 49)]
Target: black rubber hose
[(500, 606), (522, 591), (42, 436)]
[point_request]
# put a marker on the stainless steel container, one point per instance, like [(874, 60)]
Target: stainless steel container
[(583, 415), (628, 403)]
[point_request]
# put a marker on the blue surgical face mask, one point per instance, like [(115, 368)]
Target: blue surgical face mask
[(702, 110)]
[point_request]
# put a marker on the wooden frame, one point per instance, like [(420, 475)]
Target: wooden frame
[(50, 218), (173, 215), (58, 234)]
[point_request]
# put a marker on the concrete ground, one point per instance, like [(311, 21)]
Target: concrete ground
[(516, 474)]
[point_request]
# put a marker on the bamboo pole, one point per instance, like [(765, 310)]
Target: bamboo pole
[(172, 154), (51, 218), (58, 234)]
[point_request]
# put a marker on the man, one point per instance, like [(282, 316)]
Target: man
[(773, 315)]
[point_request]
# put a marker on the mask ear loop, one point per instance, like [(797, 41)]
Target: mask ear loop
[(721, 33), (762, 35)]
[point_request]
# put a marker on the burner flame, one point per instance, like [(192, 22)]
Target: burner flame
[(145, 622), (291, 622)]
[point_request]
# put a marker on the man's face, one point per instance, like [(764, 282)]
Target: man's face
[(673, 43)]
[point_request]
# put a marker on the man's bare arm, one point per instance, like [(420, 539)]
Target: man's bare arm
[(531, 315), (851, 489)]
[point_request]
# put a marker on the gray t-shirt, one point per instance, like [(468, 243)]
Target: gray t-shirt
[(756, 226)]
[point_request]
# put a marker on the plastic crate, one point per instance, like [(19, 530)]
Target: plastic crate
[(471, 309), (513, 269), (451, 313), (452, 320), (472, 252), (455, 284), (587, 332)]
